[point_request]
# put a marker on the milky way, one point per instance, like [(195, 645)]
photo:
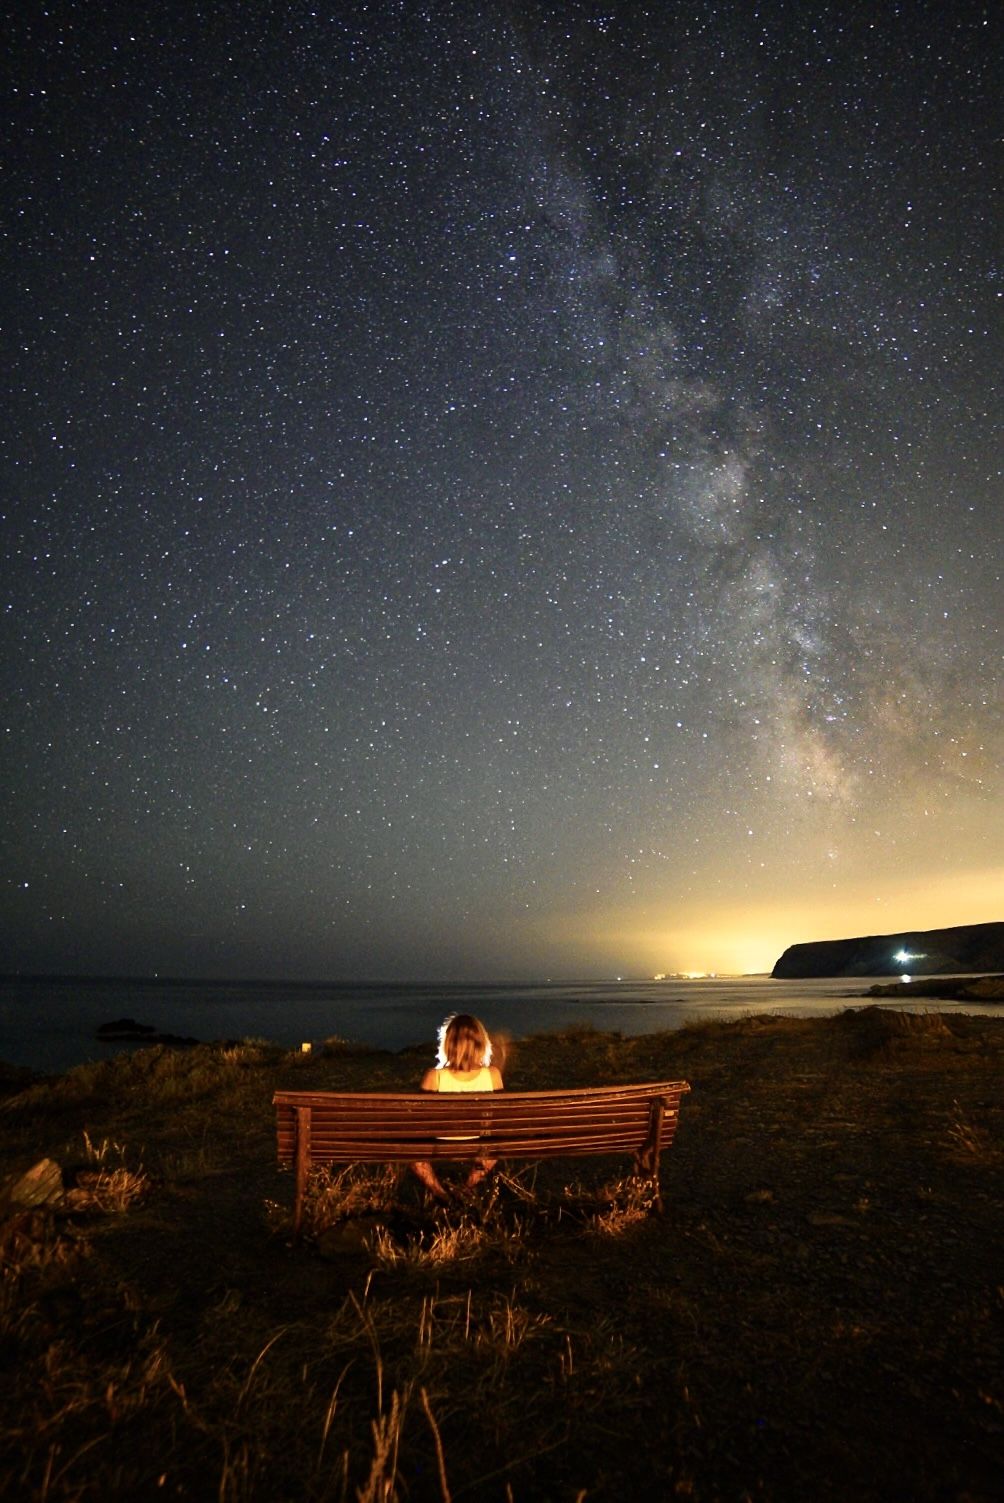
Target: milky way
[(498, 490)]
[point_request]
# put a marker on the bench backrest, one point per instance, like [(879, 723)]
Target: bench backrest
[(343, 1127)]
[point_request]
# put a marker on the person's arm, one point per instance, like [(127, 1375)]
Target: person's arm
[(430, 1081), (496, 1075)]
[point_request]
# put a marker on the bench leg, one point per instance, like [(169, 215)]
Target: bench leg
[(302, 1165), (646, 1166), (647, 1161)]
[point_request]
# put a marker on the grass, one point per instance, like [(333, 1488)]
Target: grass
[(817, 1314)]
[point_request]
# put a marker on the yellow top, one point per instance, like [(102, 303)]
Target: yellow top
[(450, 1080)]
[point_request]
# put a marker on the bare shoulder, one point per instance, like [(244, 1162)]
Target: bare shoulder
[(430, 1080), (496, 1075)]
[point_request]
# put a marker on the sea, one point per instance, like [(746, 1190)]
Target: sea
[(49, 1024)]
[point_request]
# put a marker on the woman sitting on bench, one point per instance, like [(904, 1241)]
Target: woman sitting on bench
[(464, 1063)]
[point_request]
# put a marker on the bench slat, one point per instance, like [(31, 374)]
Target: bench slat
[(408, 1143), (456, 1123), (352, 1149), (378, 1099), (370, 1121), (475, 1121), (322, 1140)]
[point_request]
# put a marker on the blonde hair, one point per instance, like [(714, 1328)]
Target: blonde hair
[(464, 1043)]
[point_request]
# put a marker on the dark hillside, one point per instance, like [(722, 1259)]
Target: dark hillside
[(932, 952)]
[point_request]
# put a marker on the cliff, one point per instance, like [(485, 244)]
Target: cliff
[(931, 952)]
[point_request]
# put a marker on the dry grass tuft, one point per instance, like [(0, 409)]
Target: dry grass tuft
[(100, 1153), (107, 1190), (248, 1052), (106, 1187), (880, 1031), (449, 1242), (630, 1203), (968, 1138), (381, 1484), (333, 1196)]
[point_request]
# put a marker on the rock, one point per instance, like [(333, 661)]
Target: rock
[(984, 989), (40, 1185), (127, 1030), (954, 989), (14, 1078), (937, 952)]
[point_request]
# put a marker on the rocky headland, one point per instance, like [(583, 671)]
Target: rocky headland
[(966, 948)]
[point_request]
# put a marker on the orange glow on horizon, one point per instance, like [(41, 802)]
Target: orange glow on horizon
[(725, 936)]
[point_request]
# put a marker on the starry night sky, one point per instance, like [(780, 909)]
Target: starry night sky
[(498, 490)]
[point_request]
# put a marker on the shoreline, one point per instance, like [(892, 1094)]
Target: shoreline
[(49, 1027)]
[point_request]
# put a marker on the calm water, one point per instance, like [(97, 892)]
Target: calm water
[(50, 1025)]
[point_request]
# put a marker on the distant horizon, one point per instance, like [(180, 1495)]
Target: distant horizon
[(156, 976), (191, 979)]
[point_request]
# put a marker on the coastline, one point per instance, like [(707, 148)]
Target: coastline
[(52, 1024)]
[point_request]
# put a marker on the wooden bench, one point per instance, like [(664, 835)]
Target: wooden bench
[(341, 1127)]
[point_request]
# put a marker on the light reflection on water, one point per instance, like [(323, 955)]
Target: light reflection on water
[(50, 1025)]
